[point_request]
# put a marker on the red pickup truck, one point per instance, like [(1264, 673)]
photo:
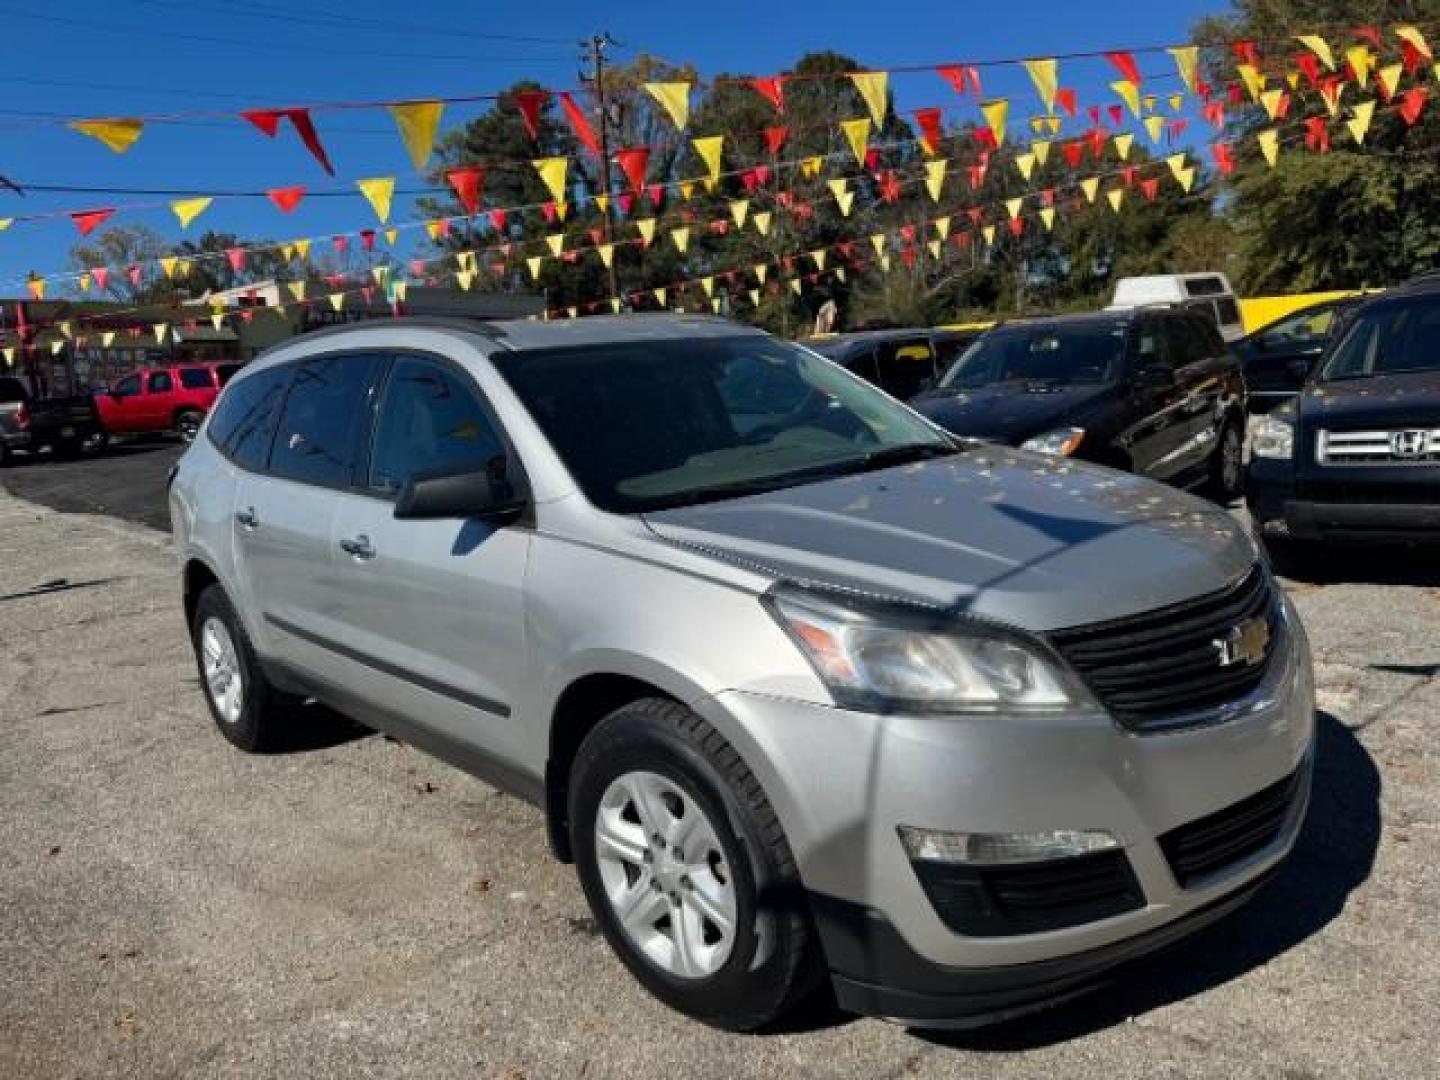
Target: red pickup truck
[(162, 399)]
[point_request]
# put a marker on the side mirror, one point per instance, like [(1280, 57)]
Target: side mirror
[(472, 494)]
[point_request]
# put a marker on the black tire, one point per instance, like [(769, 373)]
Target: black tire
[(1227, 464), (97, 444), (265, 716), (187, 424), (66, 449), (1290, 558), (774, 962)]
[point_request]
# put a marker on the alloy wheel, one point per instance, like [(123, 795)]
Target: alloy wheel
[(223, 679)]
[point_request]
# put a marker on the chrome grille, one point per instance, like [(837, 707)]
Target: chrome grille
[(1402, 446)]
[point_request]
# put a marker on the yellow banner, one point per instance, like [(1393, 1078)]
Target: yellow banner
[(857, 133), (1187, 63), (1269, 141), (996, 113), (874, 88), (119, 135), (187, 210), (1129, 93), (1045, 74), (710, 149), (552, 172), (378, 191), (674, 98), (935, 178), (418, 121)]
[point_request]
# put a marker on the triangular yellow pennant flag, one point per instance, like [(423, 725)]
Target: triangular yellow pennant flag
[(1292, 80), (942, 226), (1176, 162), (1037, 125), (1389, 79), (681, 237), (287, 252), (1361, 61), (302, 248), (119, 135), (709, 149), (1186, 178), (935, 178), (1123, 143), (1041, 149), (1271, 99), (1047, 217), (1091, 187), (67, 328), (934, 248), (988, 232), (1026, 164), (1129, 93), (819, 255), (1359, 124), (378, 191), (674, 98), (1155, 127), (84, 281), (996, 114), (1045, 74), (1253, 80), (167, 264), (761, 270), (108, 337), (873, 87), (418, 122), (1176, 102), (708, 284), (1415, 39), (552, 171), (795, 286), (1116, 197), (1320, 47), (607, 254), (762, 222), (739, 208), (877, 241), (36, 285), (1149, 101), (297, 289), (885, 262), (1331, 93), (187, 210), (687, 189), (1013, 207), (381, 274), (857, 133), (1269, 141), (556, 243), (1052, 124), (391, 235), (337, 300), (843, 197), (646, 226), (1187, 63), (754, 295), (660, 295), (433, 229), (465, 278), (602, 203), (56, 347), (534, 262), (160, 329)]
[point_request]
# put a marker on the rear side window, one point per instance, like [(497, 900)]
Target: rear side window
[(430, 420), (905, 367), (161, 382), (243, 422), (128, 386), (327, 408), (195, 379)]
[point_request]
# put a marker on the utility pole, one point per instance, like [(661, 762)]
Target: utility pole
[(595, 55)]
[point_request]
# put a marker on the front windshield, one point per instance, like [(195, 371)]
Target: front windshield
[(1397, 338), (1057, 355), (644, 425)]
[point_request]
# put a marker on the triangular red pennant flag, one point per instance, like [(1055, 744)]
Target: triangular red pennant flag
[(625, 200), (1150, 188), (1097, 139), (1368, 33), (749, 181), (335, 280), (1065, 98), (583, 131), (1094, 111), (1017, 226), (286, 198), (366, 292), (1073, 152), (1127, 174), (466, 182), (929, 123), (772, 90), (597, 237), (1247, 53), (890, 186), (88, 220), (1224, 158), (101, 274), (775, 138), (497, 218), (342, 244), (417, 267), (133, 272), (268, 121), (530, 102), (1309, 63), (236, 258), (547, 210), (1125, 63), (1412, 103), (1411, 57), (633, 161), (872, 159), (1117, 115), (1317, 134), (1215, 113), (367, 239), (762, 174), (1047, 197)]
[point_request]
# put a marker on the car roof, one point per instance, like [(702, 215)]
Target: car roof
[(844, 343), (1122, 317)]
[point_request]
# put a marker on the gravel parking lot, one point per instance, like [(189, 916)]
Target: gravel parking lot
[(170, 907)]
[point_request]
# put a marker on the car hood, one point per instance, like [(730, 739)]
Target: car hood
[(1384, 401), (1011, 412), (1026, 539)]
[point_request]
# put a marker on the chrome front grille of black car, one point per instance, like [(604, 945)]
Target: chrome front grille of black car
[(1404, 446), (1148, 669)]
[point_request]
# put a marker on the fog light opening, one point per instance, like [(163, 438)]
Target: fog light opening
[(999, 849)]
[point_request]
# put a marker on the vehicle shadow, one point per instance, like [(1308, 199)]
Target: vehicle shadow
[(1333, 856), (318, 727), (1370, 564)]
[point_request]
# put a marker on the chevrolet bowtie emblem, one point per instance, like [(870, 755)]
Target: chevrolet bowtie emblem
[(1244, 644)]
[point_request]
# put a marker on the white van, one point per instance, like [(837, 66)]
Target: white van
[(1210, 293)]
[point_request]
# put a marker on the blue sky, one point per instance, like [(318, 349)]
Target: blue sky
[(127, 57)]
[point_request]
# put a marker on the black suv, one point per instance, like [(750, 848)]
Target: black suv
[(1278, 358), (1152, 390), (1357, 454), (902, 362)]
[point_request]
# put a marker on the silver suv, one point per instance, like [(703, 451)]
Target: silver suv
[(806, 688)]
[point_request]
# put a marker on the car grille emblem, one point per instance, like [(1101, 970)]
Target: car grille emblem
[(1409, 444), (1244, 644)]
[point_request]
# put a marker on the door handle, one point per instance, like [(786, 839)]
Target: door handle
[(358, 546), (247, 518)]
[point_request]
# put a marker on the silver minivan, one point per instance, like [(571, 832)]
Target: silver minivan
[(809, 691)]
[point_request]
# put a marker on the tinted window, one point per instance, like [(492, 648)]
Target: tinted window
[(161, 382), (1074, 353), (1206, 286), (327, 408), (225, 372), (12, 390), (430, 420), (1305, 329), (1391, 340), (1227, 311), (194, 378), (904, 368), (649, 424), (1189, 337), (128, 386), (243, 421)]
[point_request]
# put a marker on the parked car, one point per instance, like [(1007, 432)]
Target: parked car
[(804, 687), (1208, 294), (1150, 391), (63, 425), (162, 399), (1277, 358), (901, 362), (1356, 455)]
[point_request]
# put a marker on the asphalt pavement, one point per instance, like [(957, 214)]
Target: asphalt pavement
[(171, 907)]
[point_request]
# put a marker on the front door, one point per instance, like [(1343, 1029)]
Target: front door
[(433, 611), (157, 402), (1155, 434)]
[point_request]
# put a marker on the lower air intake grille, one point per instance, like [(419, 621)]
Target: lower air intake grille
[(1228, 836)]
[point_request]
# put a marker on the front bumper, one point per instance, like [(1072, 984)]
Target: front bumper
[(15, 440), (1385, 503), (842, 782)]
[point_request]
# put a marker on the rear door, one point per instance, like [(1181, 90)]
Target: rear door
[(284, 511), (432, 612), (1203, 370), (1155, 432)]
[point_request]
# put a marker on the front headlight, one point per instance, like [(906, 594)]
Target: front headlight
[(1274, 438), (1061, 442), (893, 659)]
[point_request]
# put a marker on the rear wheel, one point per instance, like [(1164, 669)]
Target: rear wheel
[(1227, 464), (687, 869), (246, 708), (187, 425)]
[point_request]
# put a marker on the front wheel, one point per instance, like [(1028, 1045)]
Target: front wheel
[(246, 708), (187, 425), (687, 870)]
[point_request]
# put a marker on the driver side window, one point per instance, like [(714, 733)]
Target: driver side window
[(128, 386)]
